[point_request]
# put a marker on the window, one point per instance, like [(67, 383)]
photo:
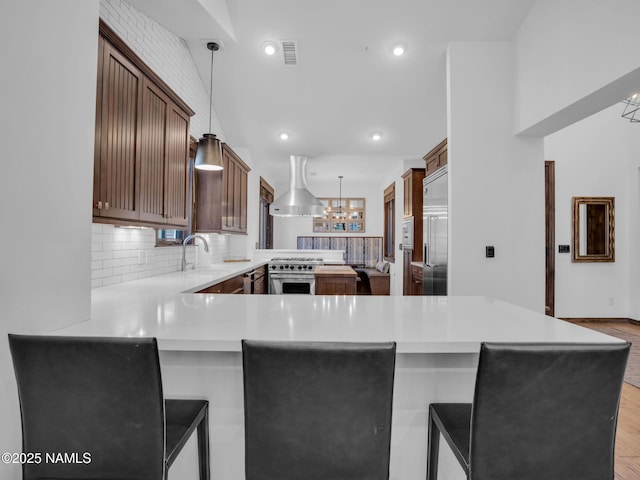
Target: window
[(342, 215), (169, 237), (265, 229), (389, 222)]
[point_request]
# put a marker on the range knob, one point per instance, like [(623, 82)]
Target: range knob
[(300, 267), (281, 267), (309, 267), (291, 267)]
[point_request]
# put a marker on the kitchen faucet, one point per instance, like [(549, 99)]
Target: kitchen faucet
[(184, 248)]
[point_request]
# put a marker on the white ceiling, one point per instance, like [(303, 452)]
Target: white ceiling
[(347, 83)]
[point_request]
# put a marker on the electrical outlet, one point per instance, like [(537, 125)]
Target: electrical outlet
[(490, 251), (564, 248)]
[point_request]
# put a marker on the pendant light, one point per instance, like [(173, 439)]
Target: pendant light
[(209, 154)]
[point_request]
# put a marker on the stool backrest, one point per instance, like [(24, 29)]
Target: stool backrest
[(546, 411), (317, 410), (93, 406)]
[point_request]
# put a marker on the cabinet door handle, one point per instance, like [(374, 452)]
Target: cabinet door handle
[(106, 205), (99, 205)]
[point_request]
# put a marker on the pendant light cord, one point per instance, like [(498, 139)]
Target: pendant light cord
[(211, 90), (340, 177)]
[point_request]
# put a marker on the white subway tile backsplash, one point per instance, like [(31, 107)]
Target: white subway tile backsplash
[(123, 255), (111, 280)]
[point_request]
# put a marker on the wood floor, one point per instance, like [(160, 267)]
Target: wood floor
[(627, 456), (627, 461)]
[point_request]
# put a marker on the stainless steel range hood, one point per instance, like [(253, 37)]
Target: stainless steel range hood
[(297, 201)]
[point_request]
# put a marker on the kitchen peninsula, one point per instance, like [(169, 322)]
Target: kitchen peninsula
[(199, 340)]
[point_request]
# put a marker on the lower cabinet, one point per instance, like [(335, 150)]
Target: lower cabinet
[(260, 281), (411, 275), (241, 284), (232, 285), (416, 280), (336, 280)]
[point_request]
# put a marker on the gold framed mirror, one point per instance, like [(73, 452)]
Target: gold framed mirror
[(593, 229)]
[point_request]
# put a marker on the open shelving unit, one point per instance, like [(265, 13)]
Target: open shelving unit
[(346, 215)]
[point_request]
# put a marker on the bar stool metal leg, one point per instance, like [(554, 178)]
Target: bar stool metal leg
[(203, 447), (433, 448)]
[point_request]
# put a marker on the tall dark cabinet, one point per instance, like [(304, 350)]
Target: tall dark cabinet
[(412, 208)]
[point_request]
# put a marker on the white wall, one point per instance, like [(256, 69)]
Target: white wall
[(592, 158), (633, 176), (47, 93), (496, 181), (568, 49)]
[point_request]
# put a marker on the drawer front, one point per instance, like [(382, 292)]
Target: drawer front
[(233, 285), (416, 271)]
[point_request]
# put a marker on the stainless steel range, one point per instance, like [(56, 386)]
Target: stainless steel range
[(293, 275)]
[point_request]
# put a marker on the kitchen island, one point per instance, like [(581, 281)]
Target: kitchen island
[(199, 340)]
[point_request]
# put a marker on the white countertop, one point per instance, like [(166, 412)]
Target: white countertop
[(180, 321)]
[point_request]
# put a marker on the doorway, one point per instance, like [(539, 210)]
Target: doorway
[(550, 234)]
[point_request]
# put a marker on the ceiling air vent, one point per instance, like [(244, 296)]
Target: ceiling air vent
[(290, 53)]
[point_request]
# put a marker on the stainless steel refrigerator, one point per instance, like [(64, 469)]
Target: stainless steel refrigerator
[(434, 221)]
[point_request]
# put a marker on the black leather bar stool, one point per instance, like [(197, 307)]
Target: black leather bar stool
[(317, 410), (100, 401), (539, 412)]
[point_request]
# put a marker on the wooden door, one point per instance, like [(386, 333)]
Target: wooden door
[(550, 234), (120, 134), (155, 106), (244, 180), (227, 189), (177, 167), (408, 195), (234, 192)]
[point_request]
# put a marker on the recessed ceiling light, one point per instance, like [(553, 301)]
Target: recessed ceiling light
[(376, 136), (399, 49), (284, 136), (269, 47)]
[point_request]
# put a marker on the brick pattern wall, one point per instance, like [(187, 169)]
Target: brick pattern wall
[(168, 56), (124, 254)]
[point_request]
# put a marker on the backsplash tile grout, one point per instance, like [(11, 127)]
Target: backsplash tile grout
[(121, 255)]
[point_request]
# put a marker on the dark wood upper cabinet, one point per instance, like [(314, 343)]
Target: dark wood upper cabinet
[(118, 132), (221, 196), (142, 142), (436, 158), (413, 193)]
